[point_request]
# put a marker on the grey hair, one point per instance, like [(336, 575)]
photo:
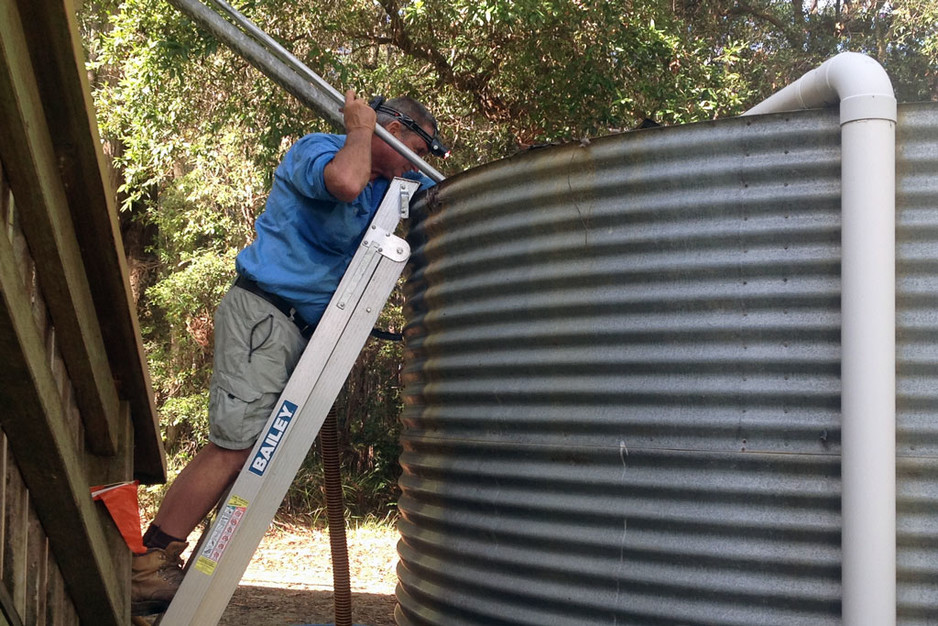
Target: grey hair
[(411, 108)]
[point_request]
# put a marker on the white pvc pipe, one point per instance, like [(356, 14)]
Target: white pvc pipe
[(868, 404)]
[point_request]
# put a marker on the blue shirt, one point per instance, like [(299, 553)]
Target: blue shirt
[(306, 237)]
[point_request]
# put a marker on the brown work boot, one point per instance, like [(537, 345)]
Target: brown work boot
[(155, 577)]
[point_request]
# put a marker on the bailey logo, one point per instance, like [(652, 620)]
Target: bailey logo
[(272, 438)]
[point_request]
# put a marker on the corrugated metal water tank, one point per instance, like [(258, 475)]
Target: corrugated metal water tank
[(623, 393)]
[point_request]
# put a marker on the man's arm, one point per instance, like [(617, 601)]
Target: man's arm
[(350, 170)]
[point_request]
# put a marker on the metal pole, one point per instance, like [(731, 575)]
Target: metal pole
[(273, 60)]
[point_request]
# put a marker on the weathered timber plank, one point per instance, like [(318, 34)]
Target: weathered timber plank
[(56, 593), (21, 252), (29, 163), (36, 575), (52, 468), (3, 499), (14, 537), (8, 614), (6, 205), (60, 610), (55, 46), (105, 471)]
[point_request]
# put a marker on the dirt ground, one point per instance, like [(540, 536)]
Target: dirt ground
[(266, 606), (289, 580)]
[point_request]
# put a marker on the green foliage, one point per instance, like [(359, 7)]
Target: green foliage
[(195, 133), (181, 307), (185, 422)]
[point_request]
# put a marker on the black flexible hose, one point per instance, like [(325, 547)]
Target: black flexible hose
[(335, 507)]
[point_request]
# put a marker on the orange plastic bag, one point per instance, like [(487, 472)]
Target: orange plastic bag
[(120, 499)]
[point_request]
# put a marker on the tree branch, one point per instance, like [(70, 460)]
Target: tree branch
[(476, 84), (744, 8), (401, 39)]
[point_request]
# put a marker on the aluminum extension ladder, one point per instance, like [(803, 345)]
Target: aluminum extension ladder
[(214, 571)]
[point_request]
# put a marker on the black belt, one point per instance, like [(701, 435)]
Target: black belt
[(306, 329)]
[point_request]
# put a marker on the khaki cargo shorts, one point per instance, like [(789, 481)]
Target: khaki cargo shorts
[(256, 349)]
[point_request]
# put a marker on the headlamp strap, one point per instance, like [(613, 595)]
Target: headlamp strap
[(433, 142)]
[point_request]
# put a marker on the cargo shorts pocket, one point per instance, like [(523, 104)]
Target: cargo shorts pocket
[(237, 421)]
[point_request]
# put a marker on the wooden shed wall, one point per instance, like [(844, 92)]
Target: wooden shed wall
[(32, 590), (76, 407), (47, 449)]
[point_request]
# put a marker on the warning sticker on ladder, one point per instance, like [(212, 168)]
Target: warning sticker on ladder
[(228, 520)]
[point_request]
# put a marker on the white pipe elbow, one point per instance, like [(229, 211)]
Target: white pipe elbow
[(858, 82), (863, 86)]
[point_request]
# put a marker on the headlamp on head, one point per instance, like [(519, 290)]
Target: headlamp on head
[(434, 145)]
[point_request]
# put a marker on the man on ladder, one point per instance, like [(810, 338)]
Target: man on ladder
[(324, 194)]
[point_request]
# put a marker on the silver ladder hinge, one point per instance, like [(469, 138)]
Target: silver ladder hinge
[(378, 242)]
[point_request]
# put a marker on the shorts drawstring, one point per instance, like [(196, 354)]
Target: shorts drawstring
[(270, 329)]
